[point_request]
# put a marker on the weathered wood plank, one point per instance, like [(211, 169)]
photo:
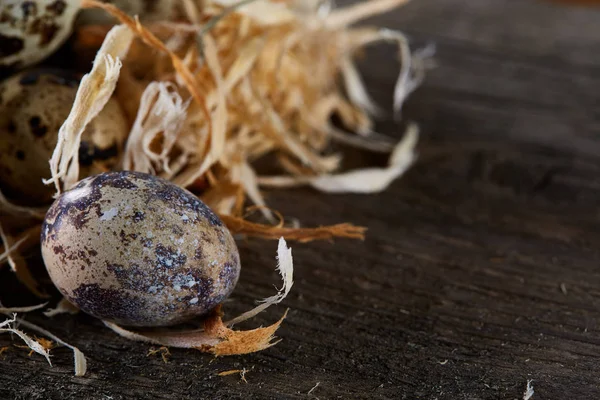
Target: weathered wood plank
[(480, 270)]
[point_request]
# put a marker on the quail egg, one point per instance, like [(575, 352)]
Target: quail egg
[(33, 106), (137, 250), (32, 30)]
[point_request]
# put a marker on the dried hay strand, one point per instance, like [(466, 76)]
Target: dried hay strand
[(41, 346)]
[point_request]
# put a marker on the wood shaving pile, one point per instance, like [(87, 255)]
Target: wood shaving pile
[(207, 98), (215, 94)]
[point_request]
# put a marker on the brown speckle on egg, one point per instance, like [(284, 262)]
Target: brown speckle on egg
[(160, 256), (37, 129), (29, 9), (47, 32), (57, 7), (10, 45)]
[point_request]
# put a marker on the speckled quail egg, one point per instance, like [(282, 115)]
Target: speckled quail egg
[(32, 30), (146, 10), (138, 250), (33, 106)]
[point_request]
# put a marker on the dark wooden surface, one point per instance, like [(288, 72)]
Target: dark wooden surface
[(456, 293)]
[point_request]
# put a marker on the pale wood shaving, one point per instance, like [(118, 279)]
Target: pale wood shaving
[(245, 176), (95, 89), (303, 235), (264, 12), (161, 113), (31, 343), (242, 372), (383, 146), (13, 310), (528, 394), (361, 10), (191, 11), (355, 88), (367, 180), (40, 346), (79, 359), (6, 255), (285, 267), (64, 306), (229, 372), (314, 388)]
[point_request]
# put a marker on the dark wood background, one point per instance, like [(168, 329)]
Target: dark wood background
[(456, 292)]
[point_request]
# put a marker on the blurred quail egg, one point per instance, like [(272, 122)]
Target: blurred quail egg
[(138, 250), (32, 30), (33, 106)]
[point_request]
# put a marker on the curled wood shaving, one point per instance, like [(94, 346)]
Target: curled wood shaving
[(161, 113), (40, 346), (218, 124), (286, 270), (367, 180), (6, 255), (412, 65), (529, 392), (244, 342), (382, 146), (313, 388), (242, 372), (361, 10), (163, 351), (191, 10), (303, 235), (230, 372), (34, 345), (94, 91), (357, 93), (13, 310), (78, 357), (264, 11), (63, 306), (245, 176), (216, 337)]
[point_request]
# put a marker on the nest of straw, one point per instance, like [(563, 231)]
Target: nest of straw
[(209, 96)]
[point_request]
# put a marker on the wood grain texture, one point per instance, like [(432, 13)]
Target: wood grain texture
[(481, 266)]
